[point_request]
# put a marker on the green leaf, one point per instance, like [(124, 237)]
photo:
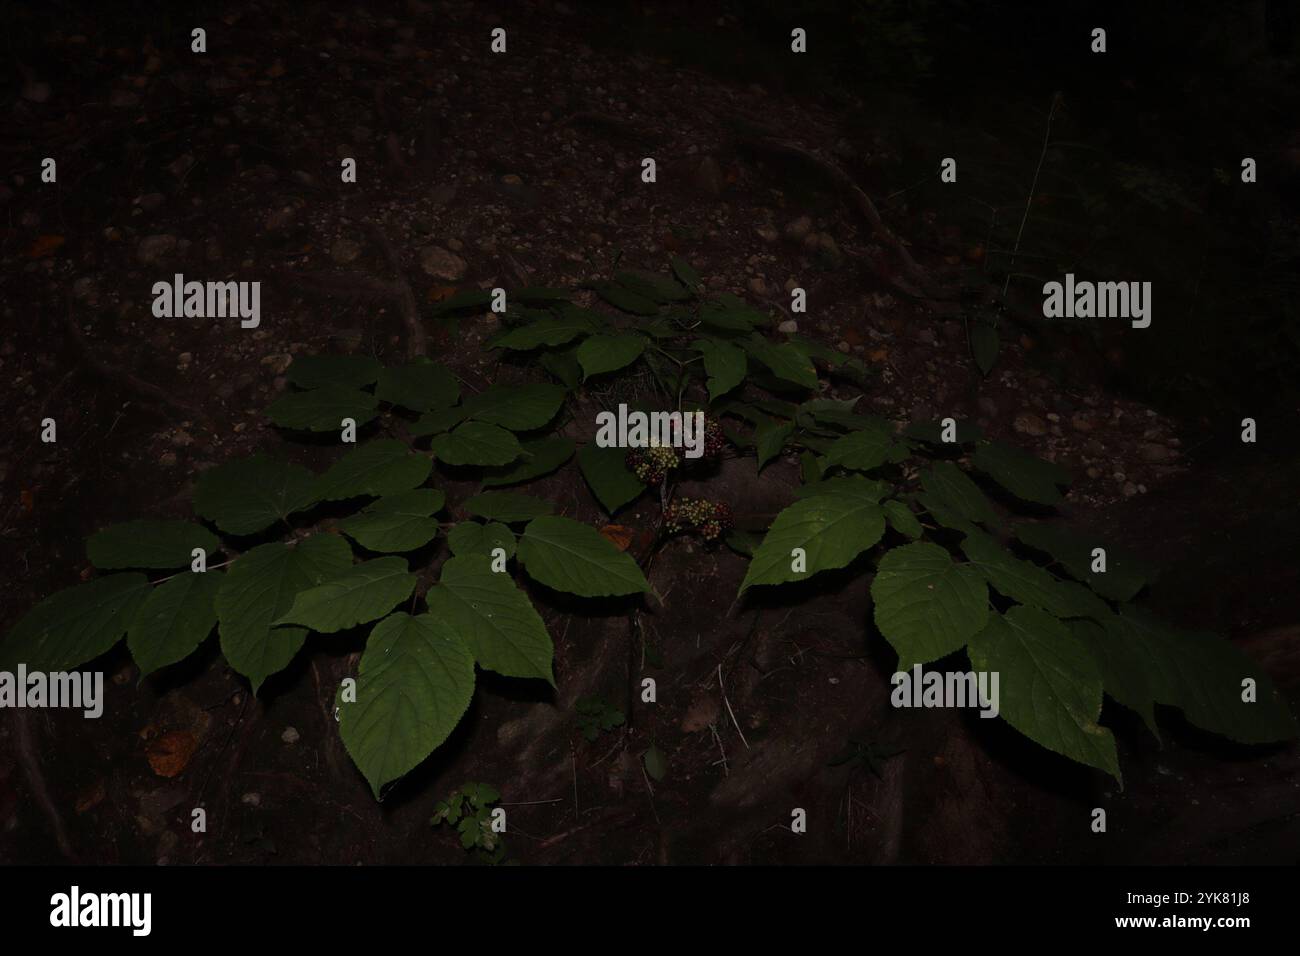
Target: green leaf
[(384, 466), (477, 443), (656, 764), (401, 522), (549, 331), (864, 450), (927, 606), (494, 618), (75, 625), (323, 409), (621, 297), (507, 506), (984, 344), (686, 274), (769, 438), (1123, 578), (414, 684), (955, 490), (1024, 475), (744, 543), (248, 495), (563, 364), (343, 371), (260, 586), (1203, 675), (516, 407), (651, 285), (541, 295), (785, 361), (832, 529), (544, 456), (174, 619), (149, 544), (1050, 685), (724, 363), (856, 485), (1125, 665), (362, 593), (901, 519), (435, 423), (1028, 583), (420, 386), (731, 315), (606, 471), (608, 353), (573, 557), (472, 538)]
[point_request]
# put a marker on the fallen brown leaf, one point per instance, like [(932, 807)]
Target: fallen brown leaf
[(618, 535), (44, 246), (171, 753)]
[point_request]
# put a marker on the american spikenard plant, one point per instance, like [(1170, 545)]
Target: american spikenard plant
[(1024, 598)]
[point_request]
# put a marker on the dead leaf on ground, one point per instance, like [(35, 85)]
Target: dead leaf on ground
[(92, 797), (703, 712), (620, 536), (44, 246), (171, 753)]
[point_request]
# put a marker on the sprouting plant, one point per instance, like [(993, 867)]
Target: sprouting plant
[(1053, 611), (480, 825), (597, 715), (867, 755)]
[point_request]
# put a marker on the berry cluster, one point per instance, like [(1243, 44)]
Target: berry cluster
[(709, 518), (651, 465)]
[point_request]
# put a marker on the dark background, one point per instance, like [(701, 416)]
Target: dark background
[(529, 163)]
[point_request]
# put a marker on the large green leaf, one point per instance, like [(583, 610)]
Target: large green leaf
[(1028, 583), (149, 544), (856, 485), (544, 456), (606, 471), (174, 619), (323, 409), (608, 353), (785, 361), (573, 557), (401, 522), (477, 443), (435, 423), (651, 285), (384, 466), (248, 495), (832, 529), (1123, 578), (1050, 685), (346, 371), (420, 386), (479, 540), (1202, 674), (516, 407), (414, 684), (901, 519), (686, 273), (493, 617), (724, 363), (1126, 667), (75, 625), (1021, 473), (507, 506), (260, 586), (362, 593), (926, 605), (954, 489), (769, 438), (549, 331), (864, 449), (624, 298)]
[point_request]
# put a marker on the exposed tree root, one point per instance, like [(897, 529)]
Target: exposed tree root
[(31, 765), (106, 370)]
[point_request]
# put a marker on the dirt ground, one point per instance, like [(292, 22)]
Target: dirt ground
[(479, 171)]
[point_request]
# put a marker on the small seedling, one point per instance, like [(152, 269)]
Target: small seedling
[(597, 715), (469, 810)]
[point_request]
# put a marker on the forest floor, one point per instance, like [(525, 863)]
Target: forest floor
[(483, 170)]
